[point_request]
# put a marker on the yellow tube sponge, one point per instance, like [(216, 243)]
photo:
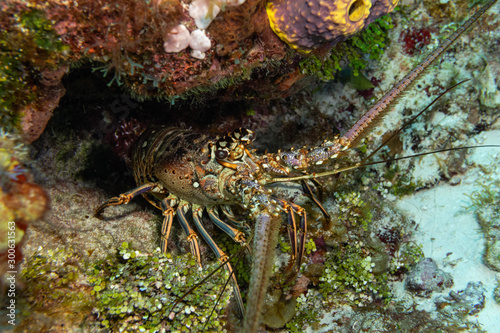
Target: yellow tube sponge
[(307, 25)]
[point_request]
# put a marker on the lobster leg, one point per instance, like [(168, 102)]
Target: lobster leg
[(241, 225), (303, 226), (125, 198), (191, 235), (168, 212), (292, 233), (292, 208), (308, 191), (223, 258), (234, 233), (228, 212), (297, 246)]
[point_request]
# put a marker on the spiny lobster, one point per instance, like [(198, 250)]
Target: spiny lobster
[(179, 171)]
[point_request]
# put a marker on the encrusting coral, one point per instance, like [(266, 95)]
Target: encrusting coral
[(32, 62)]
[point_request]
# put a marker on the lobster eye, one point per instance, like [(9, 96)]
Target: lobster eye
[(221, 154)]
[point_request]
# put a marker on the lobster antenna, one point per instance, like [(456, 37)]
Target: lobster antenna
[(410, 121), (373, 116), (362, 163), (377, 112), (359, 165), (220, 294)]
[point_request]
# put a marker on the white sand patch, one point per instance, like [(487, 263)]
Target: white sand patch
[(451, 235)]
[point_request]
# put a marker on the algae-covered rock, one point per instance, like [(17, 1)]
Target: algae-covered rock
[(426, 278), (56, 291), (469, 301), (136, 291)]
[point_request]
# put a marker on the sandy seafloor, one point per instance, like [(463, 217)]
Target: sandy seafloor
[(448, 232)]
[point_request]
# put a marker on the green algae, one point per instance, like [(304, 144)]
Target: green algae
[(402, 183), (353, 210), (137, 292), (308, 314), (484, 204), (352, 268), (239, 262), (310, 246), (370, 41), (496, 292)]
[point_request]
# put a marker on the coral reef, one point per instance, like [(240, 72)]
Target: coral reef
[(143, 45), (163, 49), (309, 25), (79, 163)]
